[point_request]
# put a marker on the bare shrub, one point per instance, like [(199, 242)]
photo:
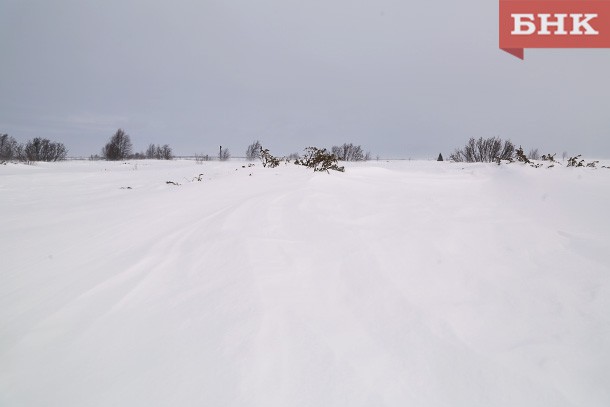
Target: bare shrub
[(42, 149), (200, 158), (254, 151), (484, 150)]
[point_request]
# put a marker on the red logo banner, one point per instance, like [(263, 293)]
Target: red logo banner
[(553, 24)]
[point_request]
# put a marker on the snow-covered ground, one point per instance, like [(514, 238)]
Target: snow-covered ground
[(403, 283)]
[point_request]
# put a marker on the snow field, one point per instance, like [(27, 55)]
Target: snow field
[(394, 283)]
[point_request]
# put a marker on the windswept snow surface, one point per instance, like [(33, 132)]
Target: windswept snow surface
[(392, 284)]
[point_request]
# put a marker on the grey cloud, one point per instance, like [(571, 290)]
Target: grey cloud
[(196, 74)]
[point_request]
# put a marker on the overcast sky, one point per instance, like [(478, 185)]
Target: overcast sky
[(402, 78)]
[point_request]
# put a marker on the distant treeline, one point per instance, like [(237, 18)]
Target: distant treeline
[(37, 149)]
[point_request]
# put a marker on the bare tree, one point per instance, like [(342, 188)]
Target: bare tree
[(349, 152), (254, 151), (6, 152), (60, 152), (9, 148), (151, 151), (533, 154), (224, 154), (119, 147), (33, 149), (165, 152), (159, 152)]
